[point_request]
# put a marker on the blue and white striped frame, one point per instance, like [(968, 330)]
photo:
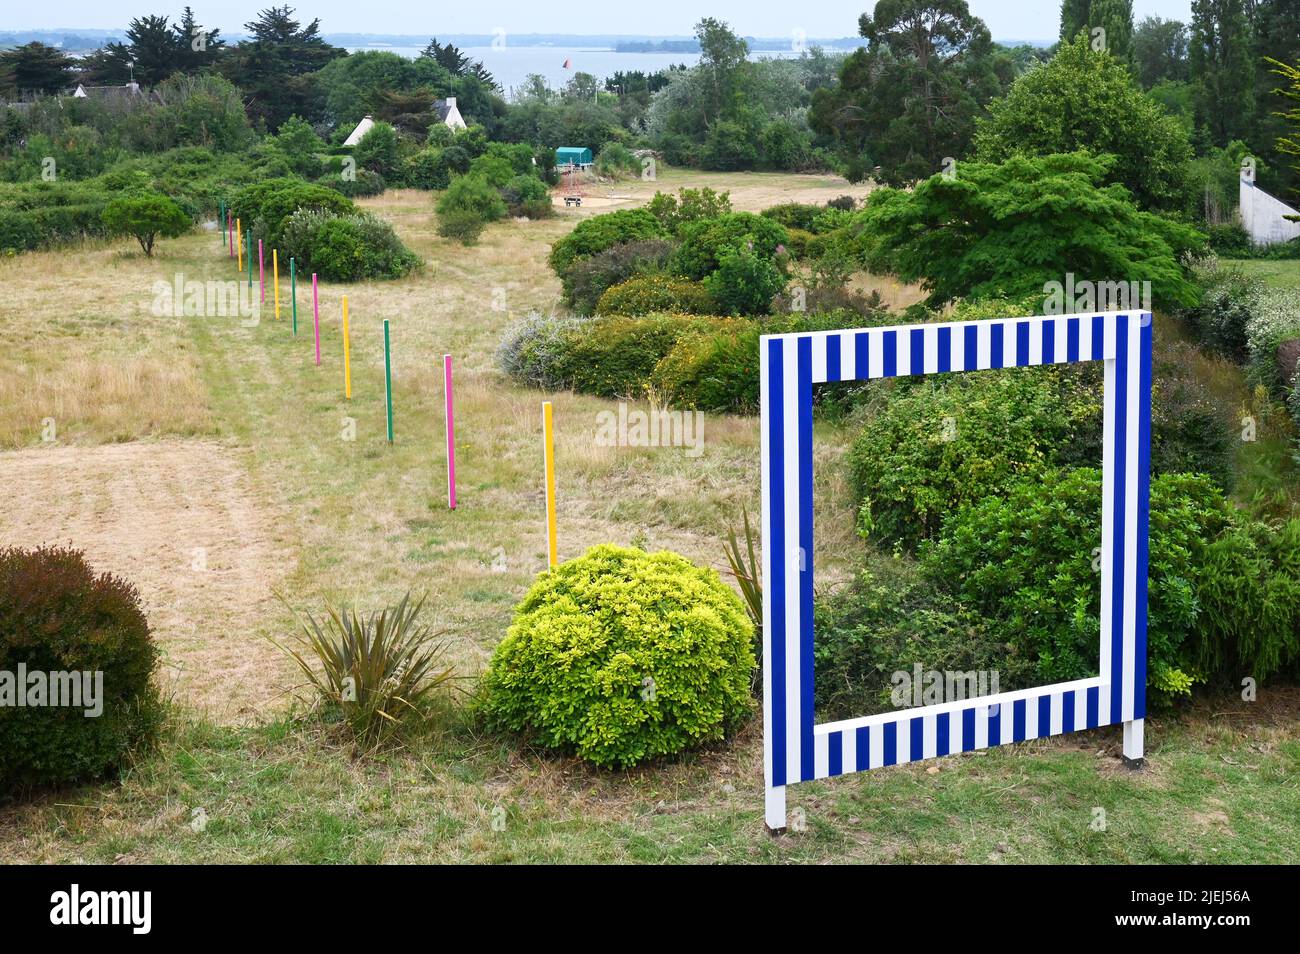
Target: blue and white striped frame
[(795, 748)]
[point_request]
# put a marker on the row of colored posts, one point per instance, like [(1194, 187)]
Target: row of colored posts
[(241, 249)]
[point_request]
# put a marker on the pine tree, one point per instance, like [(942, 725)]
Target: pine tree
[(1222, 72)]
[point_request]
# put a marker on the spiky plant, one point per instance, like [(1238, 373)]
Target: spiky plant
[(743, 566), (376, 669)]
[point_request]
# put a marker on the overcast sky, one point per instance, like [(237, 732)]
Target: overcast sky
[(1007, 19)]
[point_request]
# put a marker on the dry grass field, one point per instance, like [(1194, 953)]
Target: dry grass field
[(206, 460)]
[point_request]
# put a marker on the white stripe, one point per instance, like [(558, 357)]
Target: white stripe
[(876, 744), (1080, 710), (958, 348), (793, 452), (903, 358), (821, 756), (982, 727), (1031, 718), (983, 346), (1036, 342), (929, 736), (1085, 338), (875, 354), (1008, 344), (955, 732), (849, 751), (1062, 340), (1057, 711), (848, 358), (819, 359), (931, 349), (903, 744)]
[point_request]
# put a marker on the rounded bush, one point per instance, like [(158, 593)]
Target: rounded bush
[(615, 357), (644, 294), (587, 278), (707, 241), (57, 616), (621, 656), (270, 204), (601, 232), (346, 248)]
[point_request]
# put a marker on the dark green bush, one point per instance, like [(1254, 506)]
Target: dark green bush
[(346, 248), (646, 294), (1024, 560), (1248, 591), (364, 183), (620, 656), (378, 151), (428, 169), (745, 281), (56, 615), (145, 216), (469, 203), (889, 620), (794, 215), (522, 191), (587, 278), (265, 207), (706, 241), (675, 212), (601, 232), (944, 442), (615, 357), (1228, 299)]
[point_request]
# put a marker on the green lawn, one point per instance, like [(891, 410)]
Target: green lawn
[(1281, 274)]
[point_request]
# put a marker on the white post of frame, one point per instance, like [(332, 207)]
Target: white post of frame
[(795, 747)]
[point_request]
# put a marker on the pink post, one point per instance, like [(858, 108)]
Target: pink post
[(451, 433), (315, 307), (261, 270)]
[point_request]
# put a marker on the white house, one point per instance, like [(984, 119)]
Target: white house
[(1265, 217), (444, 109)]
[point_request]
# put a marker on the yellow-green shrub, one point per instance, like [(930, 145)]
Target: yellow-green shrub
[(644, 294), (621, 655)]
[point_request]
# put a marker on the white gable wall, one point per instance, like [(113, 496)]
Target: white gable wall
[(1264, 217)]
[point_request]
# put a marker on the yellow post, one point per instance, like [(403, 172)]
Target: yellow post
[(275, 280), (347, 354), (548, 440), (239, 246)]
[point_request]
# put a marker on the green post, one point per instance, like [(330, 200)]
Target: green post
[(293, 293), (388, 381), (248, 254)]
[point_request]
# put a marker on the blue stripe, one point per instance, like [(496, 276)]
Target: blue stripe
[(835, 753), (968, 730), (1098, 338), (890, 353), (1049, 342), (864, 749), (1018, 720), (995, 725), (918, 739), (1067, 711), (971, 334), (996, 347), (1022, 344), (918, 351), (890, 734), (1119, 456), (832, 357), (1072, 339), (804, 396), (776, 500), (1092, 704), (945, 349), (942, 731), (1143, 397), (1044, 717), (862, 354)]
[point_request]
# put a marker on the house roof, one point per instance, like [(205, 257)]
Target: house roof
[(363, 127)]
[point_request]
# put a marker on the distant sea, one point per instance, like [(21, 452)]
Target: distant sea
[(512, 64)]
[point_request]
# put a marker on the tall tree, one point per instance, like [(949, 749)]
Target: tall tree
[(1221, 71), (722, 57), (1160, 51), (35, 68), (196, 46), (274, 65), (110, 65), (1288, 141), (1276, 36), (1114, 17), (910, 98), (155, 49)]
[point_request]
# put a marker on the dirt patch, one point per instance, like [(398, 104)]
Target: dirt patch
[(182, 521)]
